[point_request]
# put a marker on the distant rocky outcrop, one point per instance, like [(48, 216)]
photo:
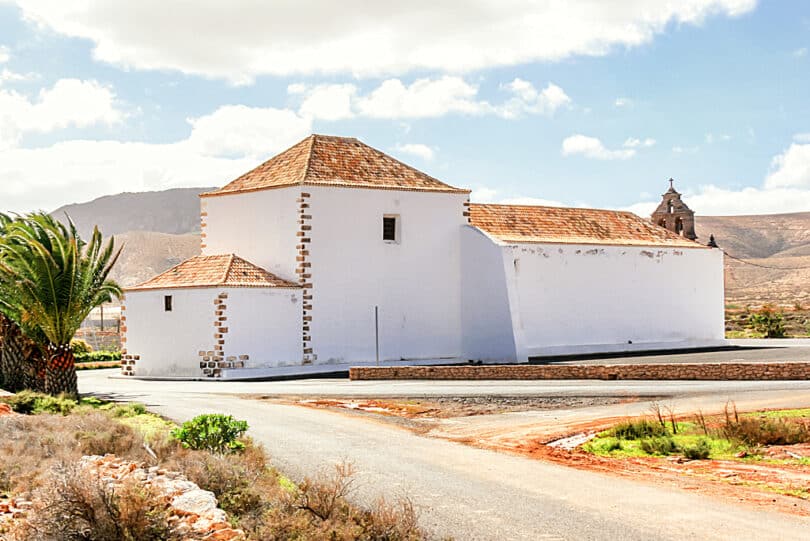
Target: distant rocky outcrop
[(775, 254), (147, 253), (175, 211), (157, 230)]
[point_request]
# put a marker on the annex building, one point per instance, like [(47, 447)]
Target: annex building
[(333, 254)]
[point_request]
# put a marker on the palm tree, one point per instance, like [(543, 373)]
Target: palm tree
[(19, 356), (50, 280), (20, 359)]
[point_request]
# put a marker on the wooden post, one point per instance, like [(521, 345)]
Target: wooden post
[(377, 333)]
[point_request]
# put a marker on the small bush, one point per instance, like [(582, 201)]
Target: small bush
[(124, 410), (32, 403), (768, 322), (97, 356), (662, 445), (754, 431), (212, 432), (637, 429), (80, 347), (699, 451), (601, 446)]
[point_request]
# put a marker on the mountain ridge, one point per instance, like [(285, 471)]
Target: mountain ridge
[(160, 229)]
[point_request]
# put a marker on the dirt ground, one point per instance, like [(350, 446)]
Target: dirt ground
[(776, 483), (447, 407)]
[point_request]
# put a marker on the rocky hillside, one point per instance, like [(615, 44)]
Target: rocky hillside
[(775, 250), (760, 236), (157, 230), (147, 253), (174, 211)]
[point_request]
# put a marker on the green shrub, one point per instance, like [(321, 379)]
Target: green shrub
[(31, 403), (129, 410), (699, 451), (80, 346), (212, 432), (662, 445), (637, 429), (97, 356), (768, 322)]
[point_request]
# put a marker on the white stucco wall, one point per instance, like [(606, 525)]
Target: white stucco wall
[(578, 299), (415, 282), (263, 323), (486, 319), (258, 226), (168, 342)]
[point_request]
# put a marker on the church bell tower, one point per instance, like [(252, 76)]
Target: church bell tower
[(673, 214)]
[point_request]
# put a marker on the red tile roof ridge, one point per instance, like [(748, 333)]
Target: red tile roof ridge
[(571, 225), (227, 269), (334, 161), (213, 271), (528, 206), (308, 164)]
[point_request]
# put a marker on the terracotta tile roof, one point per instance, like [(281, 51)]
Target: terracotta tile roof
[(535, 224), (214, 271), (323, 160)]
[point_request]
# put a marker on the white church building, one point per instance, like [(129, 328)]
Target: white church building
[(333, 254)]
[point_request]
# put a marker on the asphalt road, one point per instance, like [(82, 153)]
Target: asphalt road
[(461, 491)]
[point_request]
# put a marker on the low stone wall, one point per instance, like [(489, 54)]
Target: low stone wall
[(680, 371)]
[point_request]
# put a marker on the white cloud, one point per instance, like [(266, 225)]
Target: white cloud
[(712, 200), (623, 102), (484, 194), (70, 102), (8, 76), (424, 98), (240, 40), (712, 138), (791, 168), (240, 131), (536, 201), (591, 147), (329, 102), (786, 188), (677, 149), (634, 142), (221, 145), (417, 149), (5, 54), (527, 99), (800, 53)]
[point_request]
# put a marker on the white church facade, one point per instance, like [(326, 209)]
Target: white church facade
[(333, 254)]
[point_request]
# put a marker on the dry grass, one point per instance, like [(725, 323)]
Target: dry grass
[(760, 430), (74, 505), (36, 452), (34, 444)]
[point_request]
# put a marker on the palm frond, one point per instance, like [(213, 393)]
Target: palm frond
[(50, 279)]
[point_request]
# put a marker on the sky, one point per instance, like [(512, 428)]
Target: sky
[(578, 103)]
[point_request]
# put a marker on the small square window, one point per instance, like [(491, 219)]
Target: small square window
[(390, 228), (167, 303)]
